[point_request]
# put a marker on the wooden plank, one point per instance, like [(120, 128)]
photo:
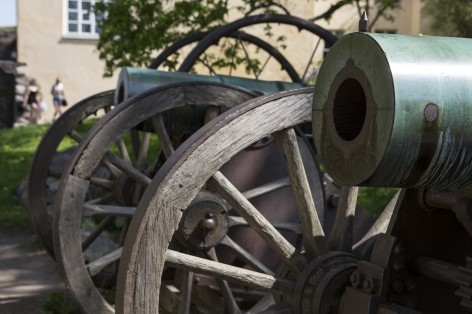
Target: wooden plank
[(227, 272), (314, 240)]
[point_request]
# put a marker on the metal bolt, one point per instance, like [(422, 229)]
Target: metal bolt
[(398, 249), (431, 112), (355, 279), (397, 266), (410, 286), (333, 201), (398, 286), (363, 23), (369, 285), (208, 224)]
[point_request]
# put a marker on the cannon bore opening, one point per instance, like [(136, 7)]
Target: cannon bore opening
[(349, 109)]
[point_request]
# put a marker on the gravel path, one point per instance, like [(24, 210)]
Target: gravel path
[(27, 274)]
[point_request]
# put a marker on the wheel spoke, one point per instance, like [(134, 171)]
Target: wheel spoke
[(246, 54), (75, 136), (108, 210), (267, 188), (263, 304), (290, 256), (310, 60), (381, 225), (245, 256), (123, 150), (54, 173), (342, 235), (166, 144), (104, 183), (314, 240), (102, 199), (97, 265), (135, 141), (143, 151), (211, 112), (97, 231), (128, 169), (186, 284), (231, 304), (288, 226), (227, 272)]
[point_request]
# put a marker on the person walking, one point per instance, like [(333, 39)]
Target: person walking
[(30, 100), (57, 92)]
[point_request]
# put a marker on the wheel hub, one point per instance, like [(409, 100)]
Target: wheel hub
[(204, 223), (126, 191), (322, 282)]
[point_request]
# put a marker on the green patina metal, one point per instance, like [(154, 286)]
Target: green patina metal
[(133, 81), (396, 110)]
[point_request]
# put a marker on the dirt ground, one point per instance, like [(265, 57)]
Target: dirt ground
[(27, 274)]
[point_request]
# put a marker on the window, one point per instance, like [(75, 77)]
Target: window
[(81, 20)]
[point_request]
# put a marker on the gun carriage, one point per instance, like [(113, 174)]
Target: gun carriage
[(216, 228)]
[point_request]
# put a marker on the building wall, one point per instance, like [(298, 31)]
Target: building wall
[(48, 54)]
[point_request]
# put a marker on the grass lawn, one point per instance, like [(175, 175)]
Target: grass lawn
[(17, 147)]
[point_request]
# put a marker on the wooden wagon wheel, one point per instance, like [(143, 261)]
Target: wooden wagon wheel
[(255, 63), (43, 173), (166, 115), (172, 53), (164, 215)]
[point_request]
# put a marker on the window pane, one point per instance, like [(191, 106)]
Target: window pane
[(86, 6), (72, 4), (73, 16), (86, 17), (86, 28), (73, 28)]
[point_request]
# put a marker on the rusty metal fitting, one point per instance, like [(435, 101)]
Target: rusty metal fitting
[(370, 285), (398, 286), (355, 279)]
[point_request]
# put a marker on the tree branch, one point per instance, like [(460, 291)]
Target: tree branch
[(329, 13)]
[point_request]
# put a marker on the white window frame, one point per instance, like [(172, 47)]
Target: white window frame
[(80, 21)]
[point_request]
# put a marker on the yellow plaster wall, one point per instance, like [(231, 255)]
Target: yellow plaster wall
[(48, 54)]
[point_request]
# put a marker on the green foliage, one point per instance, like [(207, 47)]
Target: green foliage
[(132, 31), (375, 9), (59, 303), (374, 200), (135, 29), (450, 18), (17, 147)]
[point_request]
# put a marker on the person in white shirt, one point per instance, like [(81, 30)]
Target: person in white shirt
[(57, 92)]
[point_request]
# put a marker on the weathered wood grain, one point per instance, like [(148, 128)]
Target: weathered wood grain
[(313, 239), (181, 178)]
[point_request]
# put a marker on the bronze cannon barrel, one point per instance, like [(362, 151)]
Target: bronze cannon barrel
[(396, 110), (133, 81)]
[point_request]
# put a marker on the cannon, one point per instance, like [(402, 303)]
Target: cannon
[(387, 111), (213, 226), (44, 177)]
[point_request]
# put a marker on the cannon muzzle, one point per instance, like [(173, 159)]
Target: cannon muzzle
[(396, 111)]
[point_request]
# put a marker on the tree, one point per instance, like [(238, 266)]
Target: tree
[(133, 30), (449, 18)]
